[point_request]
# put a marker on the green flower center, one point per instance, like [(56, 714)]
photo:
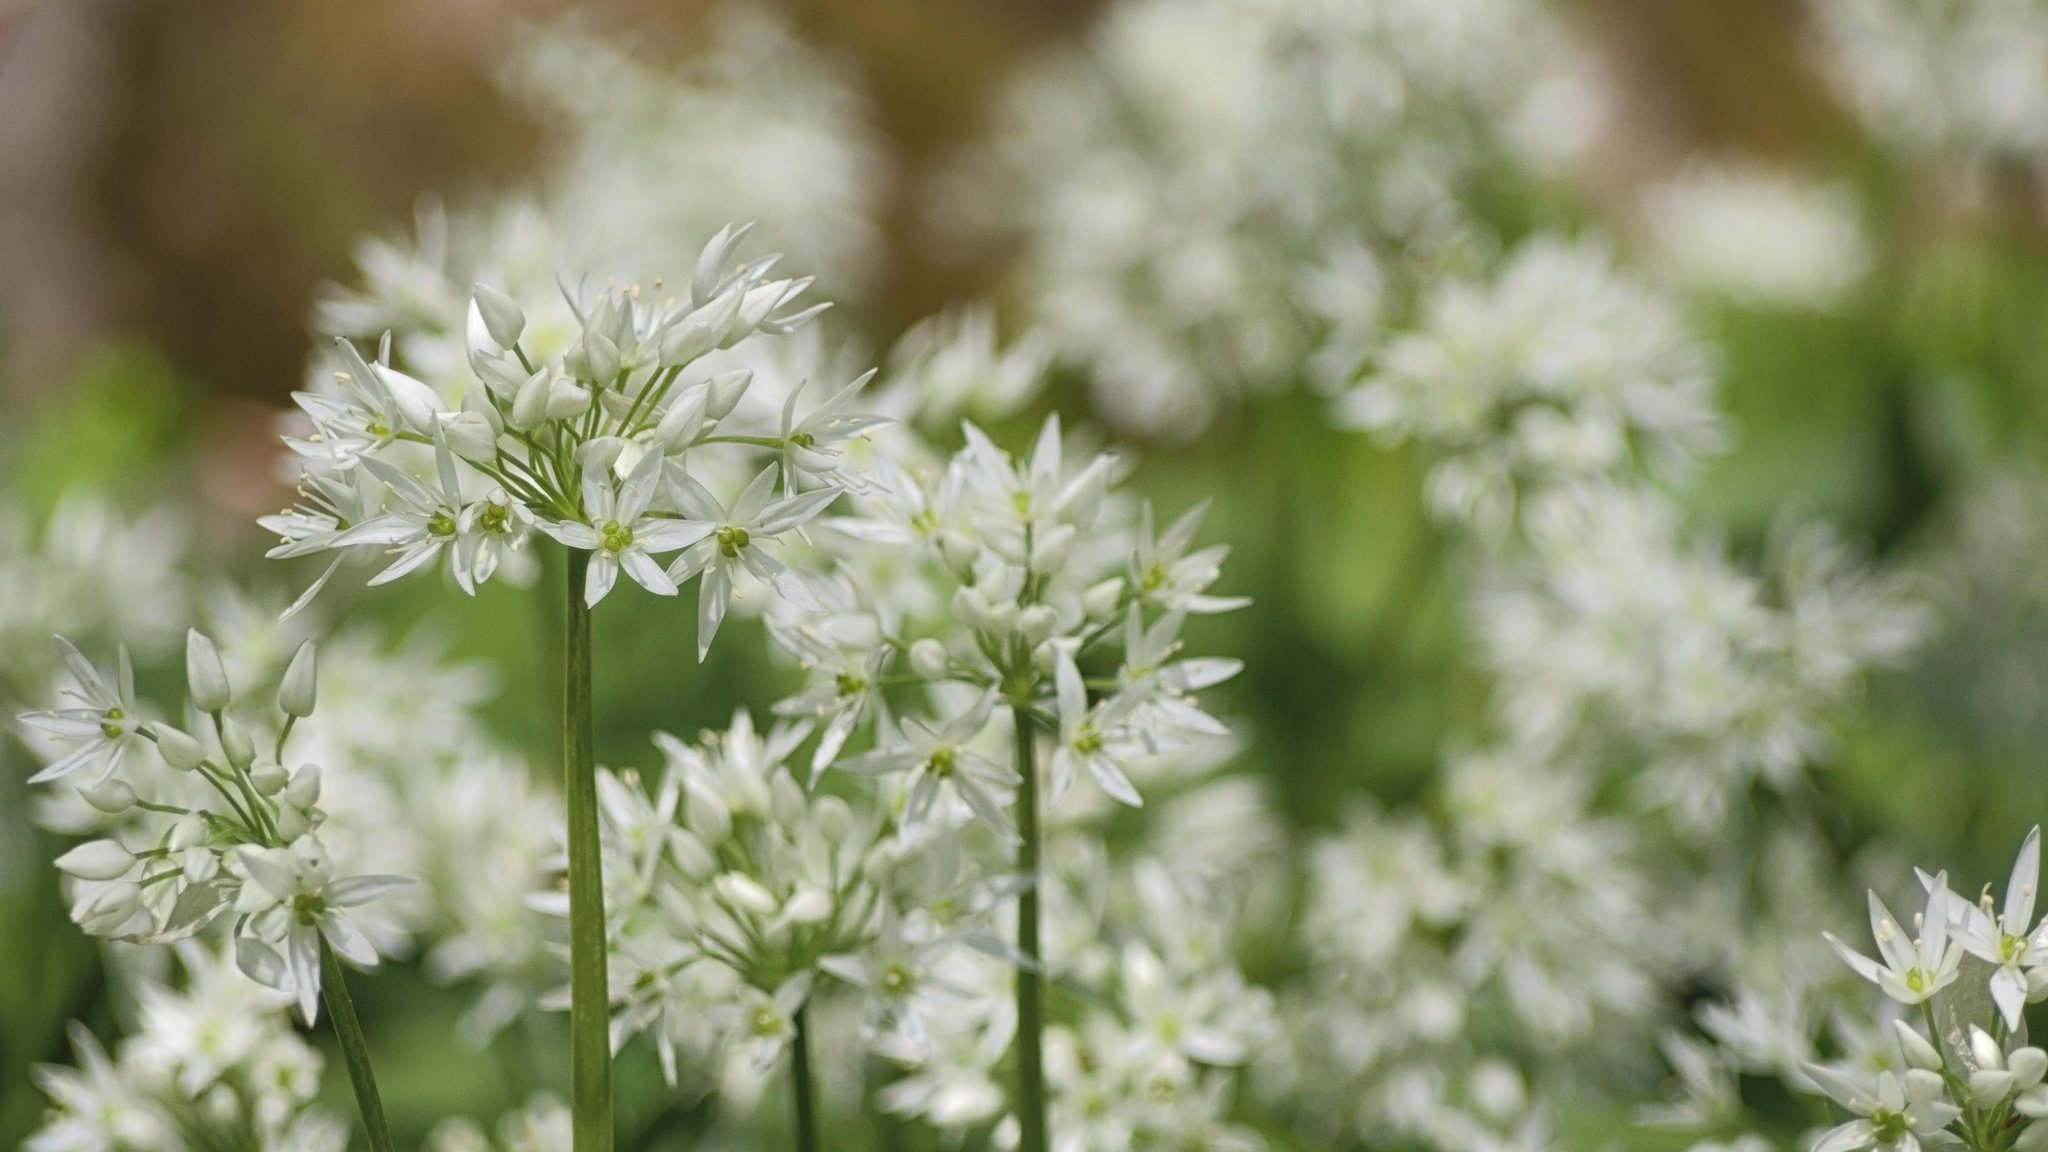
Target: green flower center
[(111, 725), (849, 684), (731, 539), (924, 523), (1916, 979), (2010, 947), (945, 758), (616, 536), (1887, 1125), (440, 524), (802, 440), (309, 907), (496, 518), (897, 979), (1087, 741), (766, 1022), (1155, 577)]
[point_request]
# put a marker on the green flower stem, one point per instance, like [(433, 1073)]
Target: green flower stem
[(355, 1051), (590, 1049), (1031, 978), (800, 1077)]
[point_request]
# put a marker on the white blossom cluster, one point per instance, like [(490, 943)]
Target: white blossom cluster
[(1949, 1062), (588, 428), (205, 819), (214, 1064), (1203, 183), (1963, 78), (1561, 368), (92, 572)]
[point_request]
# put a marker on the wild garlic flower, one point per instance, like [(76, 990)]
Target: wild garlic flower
[(1169, 183), (1917, 965), (218, 825), (1757, 236), (1010, 570), (102, 726), (1562, 368), (543, 1125), (2006, 938), (588, 431), (727, 887), (214, 1063), (1895, 1113), (92, 572)]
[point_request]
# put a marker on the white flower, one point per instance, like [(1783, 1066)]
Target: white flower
[(2009, 939), (1915, 967), (292, 902), (425, 520), (806, 444), (940, 756), (1163, 572), (1095, 738), (1897, 1115), (102, 728), (618, 532), (733, 539)]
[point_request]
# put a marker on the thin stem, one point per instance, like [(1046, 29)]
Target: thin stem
[(800, 1076), (355, 1051), (1031, 977), (590, 1051)]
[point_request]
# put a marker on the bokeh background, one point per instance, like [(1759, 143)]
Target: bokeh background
[(179, 179)]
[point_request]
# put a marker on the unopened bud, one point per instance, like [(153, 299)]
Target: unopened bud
[(834, 818), (206, 678), (959, 550), (725, 391), (297, 692), (1050, 550), (304, 790), (1102, 600), (928, 659), (566, 398), (96, 860), (744, 893), (1037, 622), (530, 403), (970, 607), (470, 436), (110, 796), (786, 800), (235, 741), (502, 316), (691, 856), (268, 778), (179, 750)]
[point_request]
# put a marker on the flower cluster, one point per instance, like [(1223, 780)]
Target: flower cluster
[(1178, 183), (581, 426), (1561, 368), (215, 1064), (1963, 1072), (204, 824), (1756, 236)]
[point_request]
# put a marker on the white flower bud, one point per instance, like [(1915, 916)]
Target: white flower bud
[(111, 796), (808, 906), (501, 315), (1050, 549), (235, 741), (530, 403), (690, 854), (959, 550), (187, 831), (297, 692), (928, 659), (268, 778), (96, 860), (109, 908), (601, 357), (566, 398), (1045, 658), (684, 420), (1002, 618), (1102, 600), (725, 391), (470, 436), (1984, 1050), (1037, 623), (1917, 1051), (206, 678), (833, 818), (786, 800), (304, 789), (970, 607), (179, 750), (744, 893), (2034, 1139), (198, 864), (2027, 1066), (706, 815), (293, 822), (1988, 1086)]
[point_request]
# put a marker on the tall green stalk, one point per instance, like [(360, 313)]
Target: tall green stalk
[(800, 1077), (355, 1051), (1030, 978), (590, 1049)]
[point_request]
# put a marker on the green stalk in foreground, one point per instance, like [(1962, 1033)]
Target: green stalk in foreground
[(800, 1076), (1031, 977), (355, 1051), (590, 1048)]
